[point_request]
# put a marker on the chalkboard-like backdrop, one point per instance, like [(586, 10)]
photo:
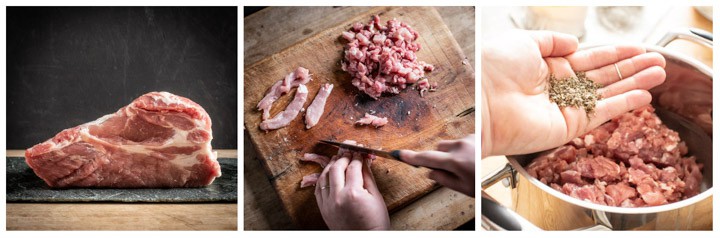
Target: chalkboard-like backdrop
[(70, 65)]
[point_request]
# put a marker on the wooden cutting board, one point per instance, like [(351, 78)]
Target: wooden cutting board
[(414, 123)]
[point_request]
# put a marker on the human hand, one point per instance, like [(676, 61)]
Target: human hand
[(453, 164), (518, 116), (348, 197)]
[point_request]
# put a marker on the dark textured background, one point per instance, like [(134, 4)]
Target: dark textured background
[(70, 65)]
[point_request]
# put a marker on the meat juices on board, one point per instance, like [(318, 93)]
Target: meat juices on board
[(159, 140), (631, 161)]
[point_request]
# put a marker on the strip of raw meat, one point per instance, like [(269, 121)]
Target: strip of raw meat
[(381, 58), (309, 180), (317, 107), (291, 111), (159, 140), (319, 159), (299, 76), (372, 120)]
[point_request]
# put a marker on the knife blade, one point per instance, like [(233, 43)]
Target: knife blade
[(395, 154)]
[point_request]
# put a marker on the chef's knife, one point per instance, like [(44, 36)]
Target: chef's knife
[(395, 154)]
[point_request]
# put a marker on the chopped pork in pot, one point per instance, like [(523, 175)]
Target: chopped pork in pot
[(632, 161), (382, 58)]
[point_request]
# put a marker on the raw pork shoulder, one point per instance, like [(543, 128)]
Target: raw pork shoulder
[(160, 140)]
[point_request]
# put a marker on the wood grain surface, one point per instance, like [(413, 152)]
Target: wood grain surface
[(430, 119), (113, 216)]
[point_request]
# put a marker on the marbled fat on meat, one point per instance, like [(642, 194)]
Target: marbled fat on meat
[(160, 140)]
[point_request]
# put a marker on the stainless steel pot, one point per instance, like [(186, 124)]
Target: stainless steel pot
[(684, 103)]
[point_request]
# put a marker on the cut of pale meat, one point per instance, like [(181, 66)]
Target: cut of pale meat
[(381, 58), (316, 158), (296, 78), (309, 180), (372, 120), (291, 111), (317, 107), (160, 140)]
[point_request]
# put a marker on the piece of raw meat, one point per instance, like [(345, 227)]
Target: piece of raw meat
[(316, 158), (631, 161), (311, 179), (291, 111), (372, 120), (381, 58), (317, 107), (160, 140), (296, 78)]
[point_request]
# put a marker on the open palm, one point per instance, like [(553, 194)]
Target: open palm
[(519, 116)]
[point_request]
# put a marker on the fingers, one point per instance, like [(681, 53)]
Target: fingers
[(615, 106), (451, 181), (430, 159), (448, 145), (608, 74), (594, 58), (554, 44), (321, 190), (369, 181), (336, 173), (353, 174), (645, 79)]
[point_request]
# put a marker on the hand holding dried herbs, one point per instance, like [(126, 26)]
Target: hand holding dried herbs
[(576, 91)]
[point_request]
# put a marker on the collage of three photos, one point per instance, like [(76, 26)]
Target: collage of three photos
[(594, 118)]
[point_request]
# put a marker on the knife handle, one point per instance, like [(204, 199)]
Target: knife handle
[(396, 155)]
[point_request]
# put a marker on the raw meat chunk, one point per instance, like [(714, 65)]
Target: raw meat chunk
[(160, 140), (291, 111), (309, 180), (317, 107), (372, 120), (316, 158), (296, 78), (381, 58), (632, 161)]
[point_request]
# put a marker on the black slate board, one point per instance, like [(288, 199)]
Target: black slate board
[(24, 186)]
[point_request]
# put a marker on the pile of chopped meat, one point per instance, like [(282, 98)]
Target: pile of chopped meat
[(632, 161), (311, 179), (381, 58)]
